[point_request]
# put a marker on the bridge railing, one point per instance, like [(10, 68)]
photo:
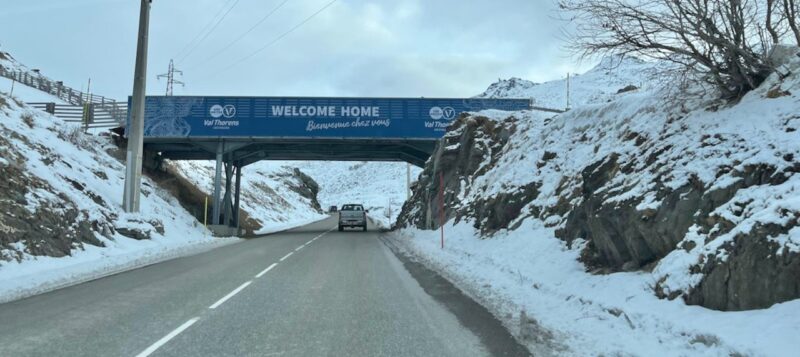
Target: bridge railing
[(104, 105), (89, 115)]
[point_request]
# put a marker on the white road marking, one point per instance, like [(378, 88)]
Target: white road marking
[(266, 270), (168, 337), (230, 295), (287, 256), (300, 247)]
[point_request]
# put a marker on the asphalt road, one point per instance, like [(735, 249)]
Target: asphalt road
[(311, 291)]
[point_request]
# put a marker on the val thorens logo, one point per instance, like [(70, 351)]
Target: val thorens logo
[(229, 111), (449, 113)]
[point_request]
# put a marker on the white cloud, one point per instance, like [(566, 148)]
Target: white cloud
[(387, 48)]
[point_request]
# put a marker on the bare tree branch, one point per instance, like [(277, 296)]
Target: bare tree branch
[(724, 42)]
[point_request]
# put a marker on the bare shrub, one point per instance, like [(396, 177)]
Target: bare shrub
[(27, 118), (75, 135)]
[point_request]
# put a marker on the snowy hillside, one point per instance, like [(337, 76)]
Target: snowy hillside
[(21, 92), (609, 224), (61, 219), (273, 194), (598, 85), (379, 186)]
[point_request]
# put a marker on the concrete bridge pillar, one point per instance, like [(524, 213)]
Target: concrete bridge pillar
[(215, 218)]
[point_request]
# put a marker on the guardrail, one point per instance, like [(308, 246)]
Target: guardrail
[(89, 115)]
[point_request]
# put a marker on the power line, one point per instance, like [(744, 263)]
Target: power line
[(209, 32), (205, 28), (276, 39), (230, 44)]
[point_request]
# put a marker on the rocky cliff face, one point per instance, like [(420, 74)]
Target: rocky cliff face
[(701, 195)]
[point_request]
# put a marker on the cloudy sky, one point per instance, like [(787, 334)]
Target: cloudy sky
[(430, 48)]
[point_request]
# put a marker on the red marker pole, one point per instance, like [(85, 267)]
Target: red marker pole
[(441, 206)]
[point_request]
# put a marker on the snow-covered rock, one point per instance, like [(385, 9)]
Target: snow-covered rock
[(670, 195)]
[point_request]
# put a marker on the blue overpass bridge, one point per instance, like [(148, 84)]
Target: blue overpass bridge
[(238, 131)]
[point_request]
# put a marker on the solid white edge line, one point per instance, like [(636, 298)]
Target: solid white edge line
[(168, 337), (230, 295), (286, 256), (266, 270)]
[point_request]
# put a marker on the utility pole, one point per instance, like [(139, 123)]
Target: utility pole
[(133, 169), (170, 76)]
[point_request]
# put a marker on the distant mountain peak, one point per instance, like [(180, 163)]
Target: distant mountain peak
[(604, 82)]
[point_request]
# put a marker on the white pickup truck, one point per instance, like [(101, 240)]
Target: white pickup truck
[(352, 216)]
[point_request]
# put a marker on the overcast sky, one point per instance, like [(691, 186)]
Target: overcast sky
[(430, 48)]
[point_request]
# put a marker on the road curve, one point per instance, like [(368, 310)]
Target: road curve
[(311, 291)]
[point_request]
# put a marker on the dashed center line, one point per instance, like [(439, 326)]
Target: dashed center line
[(286, 256), (230, 295), (266, 270), (168, 337), (155, 346)]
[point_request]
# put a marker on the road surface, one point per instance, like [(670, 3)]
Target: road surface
[(311, 291)]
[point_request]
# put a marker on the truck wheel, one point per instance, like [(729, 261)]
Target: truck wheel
[(341, 228)]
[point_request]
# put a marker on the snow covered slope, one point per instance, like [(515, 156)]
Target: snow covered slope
[(598, 85), (608, 224), (20, 91), (274, 194), (61, 219), (379, 186)]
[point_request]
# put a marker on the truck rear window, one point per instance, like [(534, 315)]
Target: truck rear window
[(352, 208)]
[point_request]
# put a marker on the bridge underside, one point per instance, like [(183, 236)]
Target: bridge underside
[(233, 154), (245, 151)]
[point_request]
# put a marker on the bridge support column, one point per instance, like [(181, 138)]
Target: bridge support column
[(238, 194), (217, 187), (228, 210)]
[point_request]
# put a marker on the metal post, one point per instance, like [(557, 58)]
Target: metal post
[(441, 206), (133, 169), (408, 181), (568, 91), (217, 187), (237, 199)]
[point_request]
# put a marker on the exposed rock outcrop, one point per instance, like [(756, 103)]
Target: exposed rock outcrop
[(470, 149), (624, 231)]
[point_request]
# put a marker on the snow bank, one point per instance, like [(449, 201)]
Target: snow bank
[(581, 314), (61, 219)]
